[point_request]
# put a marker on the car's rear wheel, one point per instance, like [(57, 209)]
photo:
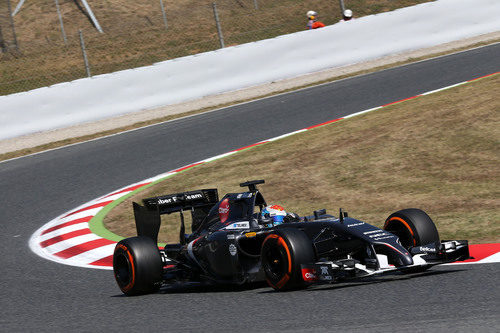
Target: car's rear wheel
[(413, 227), (137, 266), (283, 252)]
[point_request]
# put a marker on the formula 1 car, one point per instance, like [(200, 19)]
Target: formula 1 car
[(233, 243)]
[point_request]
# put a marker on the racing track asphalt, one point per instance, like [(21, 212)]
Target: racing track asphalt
[(37, 294)]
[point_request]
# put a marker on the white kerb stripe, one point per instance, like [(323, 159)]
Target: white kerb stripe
[(61, 246), (361, 112), (493, 258), (441, 89), (94, 254), (63, 231)]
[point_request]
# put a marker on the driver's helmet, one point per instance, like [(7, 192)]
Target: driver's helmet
[(311, 14), (275, 212)]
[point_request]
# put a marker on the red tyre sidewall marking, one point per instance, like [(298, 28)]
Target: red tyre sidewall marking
[(131, 267)]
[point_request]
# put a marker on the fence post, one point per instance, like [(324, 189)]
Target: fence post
[(3, 46), (18, 7), (217, 22), (12, 25), (63, 32), (342, 7), (92, 16), (164, 15), (256, 4), (84, 53)]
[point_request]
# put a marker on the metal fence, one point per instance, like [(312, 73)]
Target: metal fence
[(44, 55)]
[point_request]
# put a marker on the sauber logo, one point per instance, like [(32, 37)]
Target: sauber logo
[(167, 200), (174, 199), (194, 196), (224, 210), (308, 274)]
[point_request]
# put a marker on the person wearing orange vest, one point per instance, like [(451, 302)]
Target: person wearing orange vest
[(313, 22)]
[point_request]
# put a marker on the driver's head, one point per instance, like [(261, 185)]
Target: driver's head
[(275, 212)]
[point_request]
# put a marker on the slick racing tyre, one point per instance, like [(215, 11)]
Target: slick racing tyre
[(137, 266), (283, 252), (413, 227)]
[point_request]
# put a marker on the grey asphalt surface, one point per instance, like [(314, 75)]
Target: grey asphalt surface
[(37, 294)]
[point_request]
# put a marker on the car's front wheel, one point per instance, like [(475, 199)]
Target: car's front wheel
[(413, 227), (283, 252)]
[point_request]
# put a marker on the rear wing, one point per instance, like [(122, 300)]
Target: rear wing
[(176, 202), (148, 220)]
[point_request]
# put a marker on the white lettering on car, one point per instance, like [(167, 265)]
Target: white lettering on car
[(232, 249), (164, 201), (238, 225)]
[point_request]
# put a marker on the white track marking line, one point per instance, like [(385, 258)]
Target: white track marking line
[(362, 112), (445, 88), (219, 156), (286, 135)]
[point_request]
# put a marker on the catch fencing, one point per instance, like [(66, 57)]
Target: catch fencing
[(67, 46), (56, 55)]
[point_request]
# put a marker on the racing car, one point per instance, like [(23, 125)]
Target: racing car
[(233, 242)]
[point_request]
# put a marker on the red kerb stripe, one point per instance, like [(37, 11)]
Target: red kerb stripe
[(62, 225), (63, 237), (128, 189), (84, 247), (97, 205), (481, 251), (482, 77), (325, 123), (406, 99), (255, 144), (189, 166), (106, 261)]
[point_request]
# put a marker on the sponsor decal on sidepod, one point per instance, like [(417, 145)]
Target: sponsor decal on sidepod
[(224, 210), (308, 274)]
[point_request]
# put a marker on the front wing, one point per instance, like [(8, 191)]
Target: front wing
[(423, 258)]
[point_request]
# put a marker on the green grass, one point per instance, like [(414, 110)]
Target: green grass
[(438, 152)]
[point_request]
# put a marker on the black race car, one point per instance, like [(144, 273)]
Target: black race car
[(233, 243)]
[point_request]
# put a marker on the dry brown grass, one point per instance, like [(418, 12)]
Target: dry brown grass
[(438, 152)]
